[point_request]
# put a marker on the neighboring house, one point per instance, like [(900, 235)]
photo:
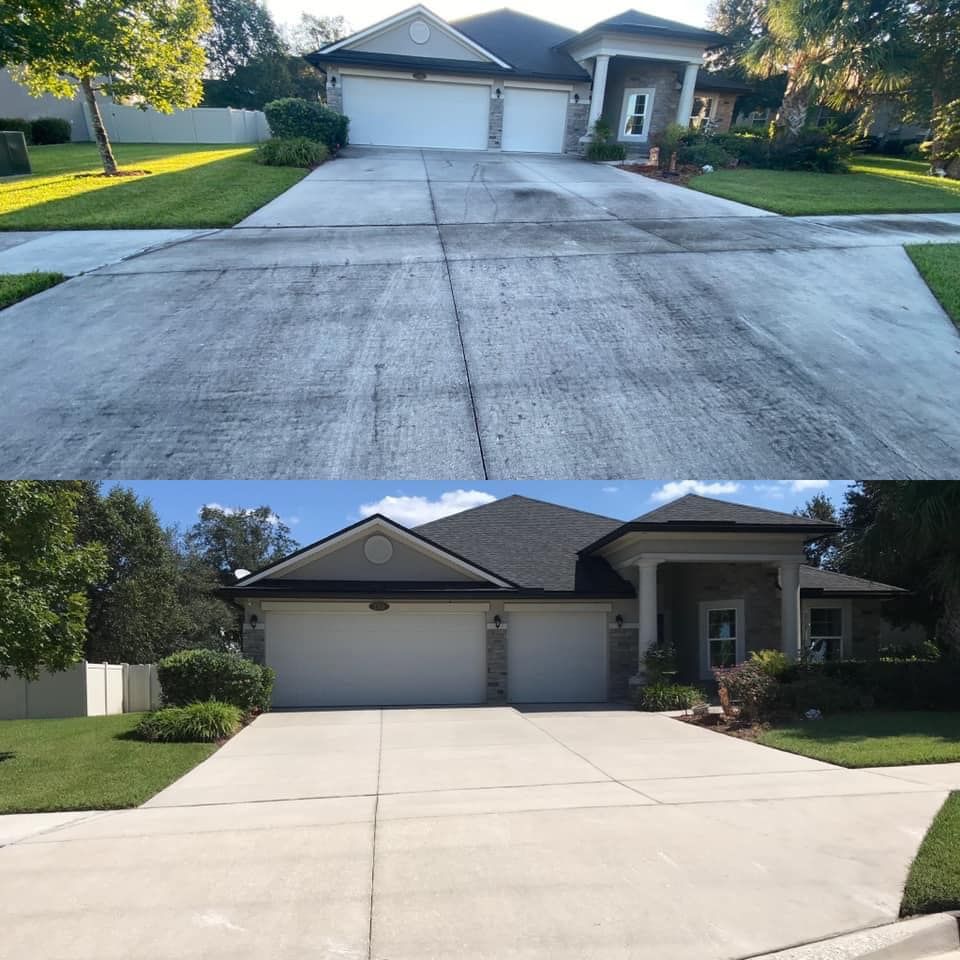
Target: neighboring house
[(526, 601), (507, 81)]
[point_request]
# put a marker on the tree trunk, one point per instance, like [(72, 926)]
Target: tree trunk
[(792, 116), (99, 130)]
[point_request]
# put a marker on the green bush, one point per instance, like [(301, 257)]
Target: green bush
[(203, 722), (597, 151), (813, 690), (669, 696), (892, 684), (670, 141), (660, 662), (291, 117), (292, 152), (772, 662), (812, 150), (46, 130), (750, 687), (12, 123), (705, 152), (193, 675)]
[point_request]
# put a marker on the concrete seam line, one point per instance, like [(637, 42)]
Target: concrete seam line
[(91, 815), (456, 317), (373, 846)]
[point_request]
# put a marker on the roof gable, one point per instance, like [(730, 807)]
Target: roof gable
[(706, 510), (418, 33), (345, 556), (638, 22)]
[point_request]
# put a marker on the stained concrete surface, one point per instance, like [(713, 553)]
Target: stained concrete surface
[(360, 326), (715, 848)]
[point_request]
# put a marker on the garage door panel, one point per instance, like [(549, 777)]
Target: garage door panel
[(534, 121), (557, 657), (358, 659), (412, 113)]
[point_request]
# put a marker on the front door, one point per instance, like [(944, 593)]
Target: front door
[(721, 635)]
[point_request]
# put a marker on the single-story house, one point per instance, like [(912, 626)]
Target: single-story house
[(507, 81), (525, 601)]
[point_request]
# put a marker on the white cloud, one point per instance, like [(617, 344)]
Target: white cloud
[(774, 491), (609, 489), (678, 488), (412, 511), (799, 486), (273, 519)]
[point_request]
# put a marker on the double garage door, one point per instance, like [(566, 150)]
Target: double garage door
[(361, 658), (419, 113)]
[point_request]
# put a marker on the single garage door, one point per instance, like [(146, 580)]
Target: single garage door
[(416, 113), (557, 657), (370, 659), (534, 120)]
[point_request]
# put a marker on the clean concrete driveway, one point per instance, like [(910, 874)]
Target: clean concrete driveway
[(427, 834), (408, 313)]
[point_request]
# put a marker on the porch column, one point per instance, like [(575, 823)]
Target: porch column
[(599, 88), (790, 608), (685, 107), (647, 594)]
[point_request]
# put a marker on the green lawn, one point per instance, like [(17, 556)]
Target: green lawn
[(934, 881), (873, 739), (18, 286), (188, 186), (875, 185), (86, 763), (939, 265)]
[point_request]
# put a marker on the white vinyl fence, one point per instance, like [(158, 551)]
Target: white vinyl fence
[(199, 125), (83, 690)]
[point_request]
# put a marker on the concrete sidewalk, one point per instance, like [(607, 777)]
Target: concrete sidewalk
[(476, 833)]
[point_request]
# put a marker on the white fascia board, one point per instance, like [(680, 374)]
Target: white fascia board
[(418, 10), (557, 607), (640, 48), (484, 81), (388, 530), (712, 558)]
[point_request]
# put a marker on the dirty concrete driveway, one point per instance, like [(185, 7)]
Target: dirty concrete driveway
[(416, 313), (490, 832)]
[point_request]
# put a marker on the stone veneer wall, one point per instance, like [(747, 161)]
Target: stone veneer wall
[(334, 91), (495, 124), (625, 72), (622, 661), (497, 664), (254, 643), (576, 125)]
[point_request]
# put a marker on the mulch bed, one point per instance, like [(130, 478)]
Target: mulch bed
[(745, 729), (119, 173), (683, 175)]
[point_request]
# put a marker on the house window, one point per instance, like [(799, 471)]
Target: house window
[(635, 115), (702, 110), (721, 626), (825, 633)]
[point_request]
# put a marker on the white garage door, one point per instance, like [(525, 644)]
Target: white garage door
[(557, 657), (534, 120), (373, 659), (416, 113)]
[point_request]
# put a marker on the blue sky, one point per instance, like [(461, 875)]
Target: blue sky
[(316, 508)]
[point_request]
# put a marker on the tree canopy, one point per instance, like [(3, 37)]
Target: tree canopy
[(823, 552), (147, 51), (44, 577)]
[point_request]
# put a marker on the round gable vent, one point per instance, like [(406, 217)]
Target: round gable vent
[(377, 549), (419, 31)]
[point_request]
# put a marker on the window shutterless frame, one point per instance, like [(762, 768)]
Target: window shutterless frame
[(721, 635), (635, 112)]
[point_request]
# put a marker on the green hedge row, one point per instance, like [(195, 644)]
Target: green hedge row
[(43, 130), (192, 676)]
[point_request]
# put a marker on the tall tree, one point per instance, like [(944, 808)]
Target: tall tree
[(311, 32), (227, 540), (242, 32), (44, 576), (907, 532), (144, 50), (823, 552), (742, 23)]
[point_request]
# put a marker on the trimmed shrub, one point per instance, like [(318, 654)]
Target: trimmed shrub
[(750, 687), (813, 150), (292, 117), (46, 130), (891, 684), (292, 152), (813, 690), (13, 123), (772, 662), (669, 696), (706, 152), (203, 722), (670, 141), (597, 151), (193, 675)]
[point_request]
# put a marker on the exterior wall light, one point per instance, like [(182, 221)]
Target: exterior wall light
[(253, 621), (576, 98), (333, 80), (619, 621), (497, 622), (499, 94)]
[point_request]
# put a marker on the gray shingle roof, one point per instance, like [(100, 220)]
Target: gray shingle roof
[(812, 578), (525, 42), (696, 509), (635, 21), (531, 543)]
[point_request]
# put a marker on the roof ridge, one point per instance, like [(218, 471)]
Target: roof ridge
[(744, 506), (525, 499)]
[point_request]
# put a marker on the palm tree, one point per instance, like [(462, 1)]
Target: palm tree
[(834, 51)]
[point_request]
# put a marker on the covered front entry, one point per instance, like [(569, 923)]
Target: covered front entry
[(387, 111), (534, 120), (557, 656), (331, 655)]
